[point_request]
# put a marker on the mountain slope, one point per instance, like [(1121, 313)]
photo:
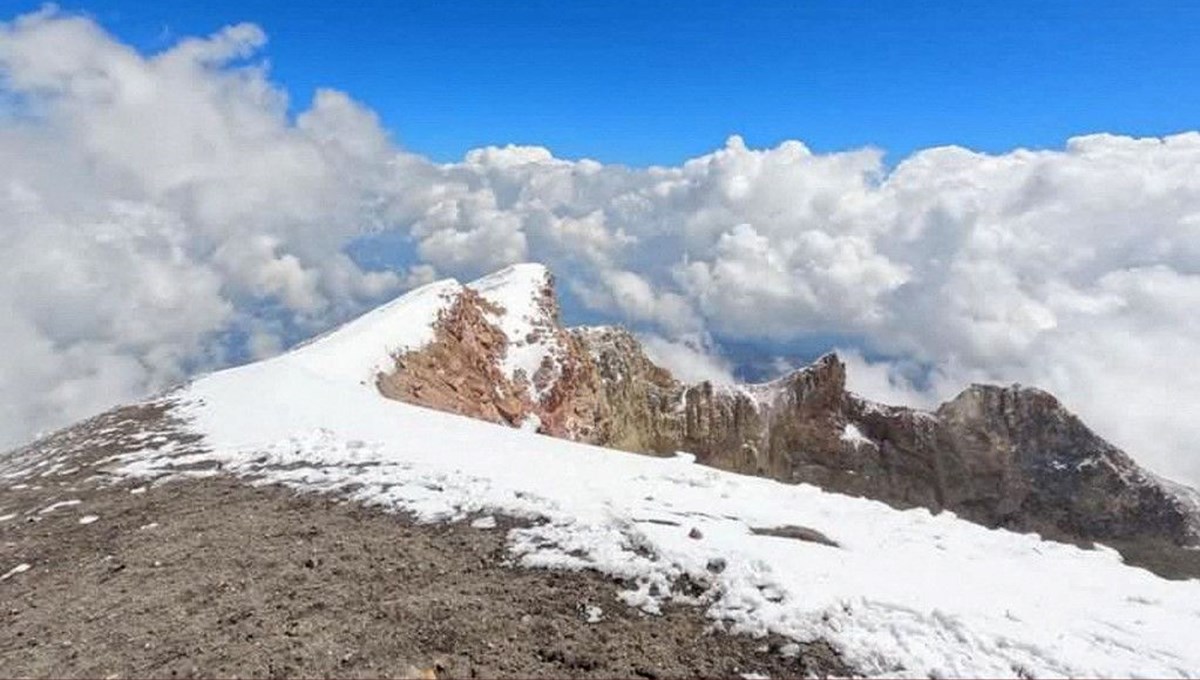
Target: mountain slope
[(898, 593)]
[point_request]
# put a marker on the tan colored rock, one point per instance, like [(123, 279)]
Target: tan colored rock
[(638, 403)]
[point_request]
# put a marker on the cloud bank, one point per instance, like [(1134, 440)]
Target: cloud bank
[(164, 214)]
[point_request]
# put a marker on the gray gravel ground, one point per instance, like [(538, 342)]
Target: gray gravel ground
[(217, 578)]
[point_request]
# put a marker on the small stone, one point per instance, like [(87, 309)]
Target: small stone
[(592, 613), (486, 522), (695, 534)]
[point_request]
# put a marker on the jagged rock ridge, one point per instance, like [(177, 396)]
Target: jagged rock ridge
[(1009, 457)]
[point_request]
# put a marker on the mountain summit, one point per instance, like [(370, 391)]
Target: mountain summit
[(175, 516)]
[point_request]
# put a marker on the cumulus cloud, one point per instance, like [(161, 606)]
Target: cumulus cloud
[(1068, 269), (889, 382), (690, 358), (163, 214), (152, 205)]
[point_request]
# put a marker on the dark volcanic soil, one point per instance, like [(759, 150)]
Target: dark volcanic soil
[(217, 578)]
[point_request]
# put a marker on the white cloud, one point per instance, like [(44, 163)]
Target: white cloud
[(1071, 269), (153, 206), (691, 358), (887, 382)]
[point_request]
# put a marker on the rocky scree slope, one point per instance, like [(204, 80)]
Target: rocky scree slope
[(1009, 457)]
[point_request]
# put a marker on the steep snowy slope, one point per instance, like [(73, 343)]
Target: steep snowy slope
[(523, 292), (359, 350), (364, 347), (899, 593)]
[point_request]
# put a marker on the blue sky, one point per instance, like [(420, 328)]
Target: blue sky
[(646, 83)]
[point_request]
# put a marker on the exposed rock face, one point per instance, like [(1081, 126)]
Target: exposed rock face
[(1021, 459), (465, 369), (639, 402), (460, 370), (566, 385), (1002, 456)]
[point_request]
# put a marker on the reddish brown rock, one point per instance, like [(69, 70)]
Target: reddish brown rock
[(459, 371)]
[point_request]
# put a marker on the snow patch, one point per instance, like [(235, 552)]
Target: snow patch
[(853, 436), (359, 350), (519, 291), (485, 522), (88, 519), (20, 568), (60, 504)]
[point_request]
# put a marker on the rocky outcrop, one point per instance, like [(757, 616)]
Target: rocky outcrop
[(465, 369), (639, 402), (1010, 457), (460, 370), (1019, 458)]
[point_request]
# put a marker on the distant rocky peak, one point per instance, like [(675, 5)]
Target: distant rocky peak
[(1038, 428), (1002, 401), (822, 382)]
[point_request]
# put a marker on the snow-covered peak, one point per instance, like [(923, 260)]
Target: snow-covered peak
[(897, 594), (528, 317), (360, 349), (514, 283), (526, 312), (525, 295)]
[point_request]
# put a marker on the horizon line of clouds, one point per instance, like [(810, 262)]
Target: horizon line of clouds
[(156, 206)]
